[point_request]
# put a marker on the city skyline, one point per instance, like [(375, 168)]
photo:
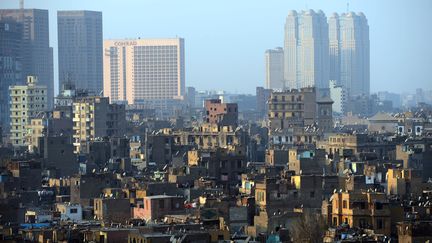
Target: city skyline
[(204, 121), (245, 68)]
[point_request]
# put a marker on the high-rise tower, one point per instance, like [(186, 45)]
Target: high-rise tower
[(36, 54), (334, 48), (143, 70), (80, 44), (354, 54), (349, 52), (306, 49), (10, 65), (274, 67)]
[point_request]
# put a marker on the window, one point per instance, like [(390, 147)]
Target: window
[(161, 204), (362, 223), (380, 224), (312, 194), (344, 204), (239, 164), (260, 196), (223, 164), (379, 206), (73, 210)]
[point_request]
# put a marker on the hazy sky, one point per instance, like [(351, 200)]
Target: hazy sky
[(225, 40)]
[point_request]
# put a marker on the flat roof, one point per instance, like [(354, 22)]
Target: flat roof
[(162, 196)]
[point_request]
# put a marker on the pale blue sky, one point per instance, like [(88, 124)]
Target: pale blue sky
[(225, 39)]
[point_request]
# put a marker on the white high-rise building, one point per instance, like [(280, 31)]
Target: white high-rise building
[(144, 70), (306, 49), (274, 68), (350, 53), (355, 51)]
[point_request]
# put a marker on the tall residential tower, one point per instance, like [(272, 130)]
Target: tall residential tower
[(349, 52), (80, 49), (306, 49)]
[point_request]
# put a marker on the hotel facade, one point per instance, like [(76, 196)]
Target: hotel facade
[(144, 70)]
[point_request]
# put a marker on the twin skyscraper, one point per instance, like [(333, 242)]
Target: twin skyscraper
[(318, 49)]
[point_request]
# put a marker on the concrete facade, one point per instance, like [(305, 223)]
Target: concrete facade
[(274, 69), (143, 70), (27, 101), (36, 55), (80, 44), (93, 118)]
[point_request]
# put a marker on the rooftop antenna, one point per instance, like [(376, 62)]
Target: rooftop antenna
[(347, 7), (21, 3)]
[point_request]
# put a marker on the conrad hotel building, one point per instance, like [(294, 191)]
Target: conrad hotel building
[(143, 71)]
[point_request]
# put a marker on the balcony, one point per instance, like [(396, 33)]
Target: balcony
[(357, 211), (380, 212)]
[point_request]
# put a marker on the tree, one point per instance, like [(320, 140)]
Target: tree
[(308, 228)]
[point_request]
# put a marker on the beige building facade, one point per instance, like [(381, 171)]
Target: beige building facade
[(94, 117), (35, 130), (142, 70), (27, 102)]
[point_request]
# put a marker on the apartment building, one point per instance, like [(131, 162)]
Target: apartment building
[(94, 117), (361, 209), (27, 102)]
